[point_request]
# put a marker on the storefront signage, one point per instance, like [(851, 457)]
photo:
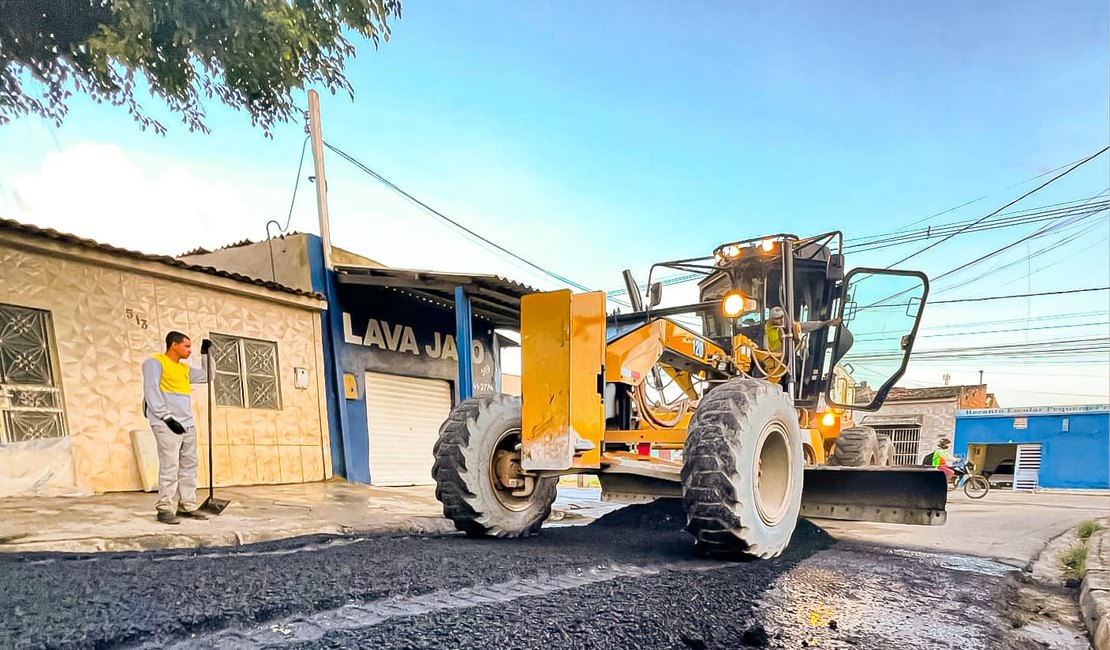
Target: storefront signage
[(401, 338), (1036, 410)]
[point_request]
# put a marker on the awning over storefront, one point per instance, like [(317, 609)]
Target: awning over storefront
[(891, 420), (492, 297)]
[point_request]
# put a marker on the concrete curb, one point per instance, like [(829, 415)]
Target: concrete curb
[(182, 540), (1094, 591)]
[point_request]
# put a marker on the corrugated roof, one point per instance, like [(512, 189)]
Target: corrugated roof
[(73, 240), (930, 393), (492, 297)]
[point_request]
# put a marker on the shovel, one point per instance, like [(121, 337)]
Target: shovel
[(211, 505)]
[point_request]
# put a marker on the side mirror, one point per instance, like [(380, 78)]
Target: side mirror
[(633, 291), (655, 294)]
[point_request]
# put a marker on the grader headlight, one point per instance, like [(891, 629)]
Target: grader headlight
[(828, 420), (736, 303)]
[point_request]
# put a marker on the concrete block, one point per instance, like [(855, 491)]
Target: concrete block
[(1097, 580), (1094, 605), (1101, 638), (146, 457)]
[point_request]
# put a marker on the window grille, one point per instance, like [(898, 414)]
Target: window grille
[(246, 372), (907, 442), (31, 405)]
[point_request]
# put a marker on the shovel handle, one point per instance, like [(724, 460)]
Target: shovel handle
[(211, 418)]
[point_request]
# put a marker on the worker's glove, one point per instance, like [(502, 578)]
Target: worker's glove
[(205, 344), (174, 425)]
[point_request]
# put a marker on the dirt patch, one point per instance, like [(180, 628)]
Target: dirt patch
[(1045, 615)]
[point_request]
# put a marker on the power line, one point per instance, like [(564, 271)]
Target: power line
[(1009, 220), (1006, 321), (1023, 196), (963, 205), (1053, 212), (1040, 232), (1060, 261), (1028, 257), (296, 184), (1012, 330), (384, 181), (1017, 295)]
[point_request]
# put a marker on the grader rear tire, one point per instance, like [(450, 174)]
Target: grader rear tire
[(478, 432), (885, 449), (856, 447), (742, 470)]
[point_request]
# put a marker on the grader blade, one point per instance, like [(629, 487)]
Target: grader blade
[(882, 494)]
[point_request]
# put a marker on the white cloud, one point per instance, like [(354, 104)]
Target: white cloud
[(97, 191)]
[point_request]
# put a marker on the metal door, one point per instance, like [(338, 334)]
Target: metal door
[(1027, 467), (403, 416)]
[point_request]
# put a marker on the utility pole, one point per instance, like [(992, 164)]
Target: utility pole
[(980, 377), (947, 378), (316, 134)]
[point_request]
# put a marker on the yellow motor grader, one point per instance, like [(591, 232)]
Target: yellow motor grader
[(733, 403)]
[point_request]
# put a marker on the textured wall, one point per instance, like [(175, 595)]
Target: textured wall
[(938, 420), (289, 261), (100, 349)]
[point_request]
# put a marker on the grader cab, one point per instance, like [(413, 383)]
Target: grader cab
[(735, 403)]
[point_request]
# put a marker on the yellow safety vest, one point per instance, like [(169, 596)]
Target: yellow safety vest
[(774, 337), (175, 376)]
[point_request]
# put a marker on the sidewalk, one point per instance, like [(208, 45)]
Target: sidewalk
[(124, 521), (1094, 592)]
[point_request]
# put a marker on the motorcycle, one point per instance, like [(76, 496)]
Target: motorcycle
[(974, 485)]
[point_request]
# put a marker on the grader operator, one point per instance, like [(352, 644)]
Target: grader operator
[(746, 388)]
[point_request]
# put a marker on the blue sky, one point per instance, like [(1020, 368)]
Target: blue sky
[(591, 137)]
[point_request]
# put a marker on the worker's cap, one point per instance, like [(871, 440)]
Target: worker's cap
[(777, 313), (944, 442)]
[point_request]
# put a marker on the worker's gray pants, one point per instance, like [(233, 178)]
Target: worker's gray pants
[(177, 469)]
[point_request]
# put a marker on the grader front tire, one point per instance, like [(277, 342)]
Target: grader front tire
[(476, 444), (742, 470)]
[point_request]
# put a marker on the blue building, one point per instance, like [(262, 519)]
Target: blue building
[(1042, 447)]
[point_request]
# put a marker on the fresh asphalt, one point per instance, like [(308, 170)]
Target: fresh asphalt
[(631, 579)]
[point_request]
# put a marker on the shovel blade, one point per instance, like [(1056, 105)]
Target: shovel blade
[(888, 495), (214, 505)]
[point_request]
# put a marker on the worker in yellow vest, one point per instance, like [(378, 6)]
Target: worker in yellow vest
[(168, 406), (774, 330)]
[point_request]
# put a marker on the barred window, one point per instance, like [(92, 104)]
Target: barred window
[(30, 398), (246, 372), (907, 442)]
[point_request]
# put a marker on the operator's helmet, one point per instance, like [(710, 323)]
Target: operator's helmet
[(778, 314)]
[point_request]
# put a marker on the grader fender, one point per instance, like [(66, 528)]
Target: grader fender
[(562, 377), (882, 494)]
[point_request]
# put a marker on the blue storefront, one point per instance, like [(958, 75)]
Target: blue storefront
[(404, 346), (401, 348), (1043, 447)]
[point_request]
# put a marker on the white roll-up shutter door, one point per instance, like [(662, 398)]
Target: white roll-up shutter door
[(1027, 467), (403, 416)]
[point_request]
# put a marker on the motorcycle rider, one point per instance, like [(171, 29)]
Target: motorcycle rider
[(943, 458)]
